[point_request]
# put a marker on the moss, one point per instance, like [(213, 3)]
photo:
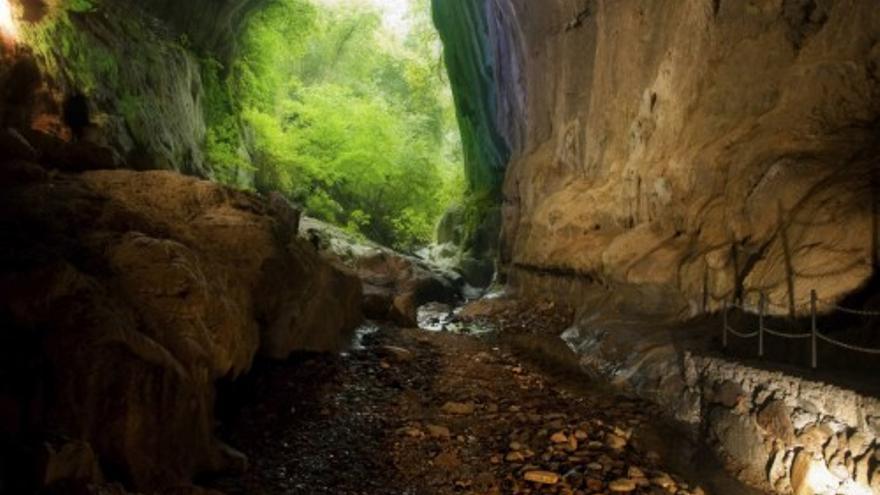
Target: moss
[(81, 5), (463, 27), (126, 66), (224, 144)]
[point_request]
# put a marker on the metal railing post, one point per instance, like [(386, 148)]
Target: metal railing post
[(761, 326), (724, 329), (814, 361)]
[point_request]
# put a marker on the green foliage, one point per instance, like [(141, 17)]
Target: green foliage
[(464, 27), (87, 62), (356, 126), (224, 147), (80, 5)]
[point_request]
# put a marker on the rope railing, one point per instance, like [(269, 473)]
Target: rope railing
[(851, 311), (814, 334), (785, 335)]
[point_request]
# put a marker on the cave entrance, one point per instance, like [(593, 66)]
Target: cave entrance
[(344, 107)]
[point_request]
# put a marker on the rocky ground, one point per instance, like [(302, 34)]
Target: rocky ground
[(417, 412)]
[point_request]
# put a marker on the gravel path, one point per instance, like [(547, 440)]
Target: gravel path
[(416, 412)]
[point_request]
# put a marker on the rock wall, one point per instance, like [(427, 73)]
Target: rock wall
[(701, 150), (775, 431), (138, 65), (126, 296), (786, 434)]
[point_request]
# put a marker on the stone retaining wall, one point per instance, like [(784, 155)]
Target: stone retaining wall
[(784, 433)]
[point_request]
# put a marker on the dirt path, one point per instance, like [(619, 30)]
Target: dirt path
[(416, 412)]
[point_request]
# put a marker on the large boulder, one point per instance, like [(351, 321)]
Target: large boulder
[(125, 296), (395, 285)]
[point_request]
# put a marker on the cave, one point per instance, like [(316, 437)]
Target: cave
[(439, 247)]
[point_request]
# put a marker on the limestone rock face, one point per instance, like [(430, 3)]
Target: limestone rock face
[(212, 25), (138, 65), (126, 296), (697, 150)]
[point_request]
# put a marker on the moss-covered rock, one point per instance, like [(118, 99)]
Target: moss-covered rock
[(464, 29)]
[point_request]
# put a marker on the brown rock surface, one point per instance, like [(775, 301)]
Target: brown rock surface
[(126, 295), (775, 418), (696, 150)]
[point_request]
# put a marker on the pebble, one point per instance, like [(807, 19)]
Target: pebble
[(615, 442), (663, 481), (559, 437), (634, 472), (542, 477), (622, 485)]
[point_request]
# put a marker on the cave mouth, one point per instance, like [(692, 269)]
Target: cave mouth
[(344, 107)]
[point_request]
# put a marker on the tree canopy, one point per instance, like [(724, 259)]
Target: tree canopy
[(355, 123)]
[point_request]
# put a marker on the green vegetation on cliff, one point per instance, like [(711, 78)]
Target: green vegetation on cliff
[(463, 26), (341, 114)]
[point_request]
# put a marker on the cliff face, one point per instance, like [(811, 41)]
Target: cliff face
[(127, 295), (138, 66), (694, 151)]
